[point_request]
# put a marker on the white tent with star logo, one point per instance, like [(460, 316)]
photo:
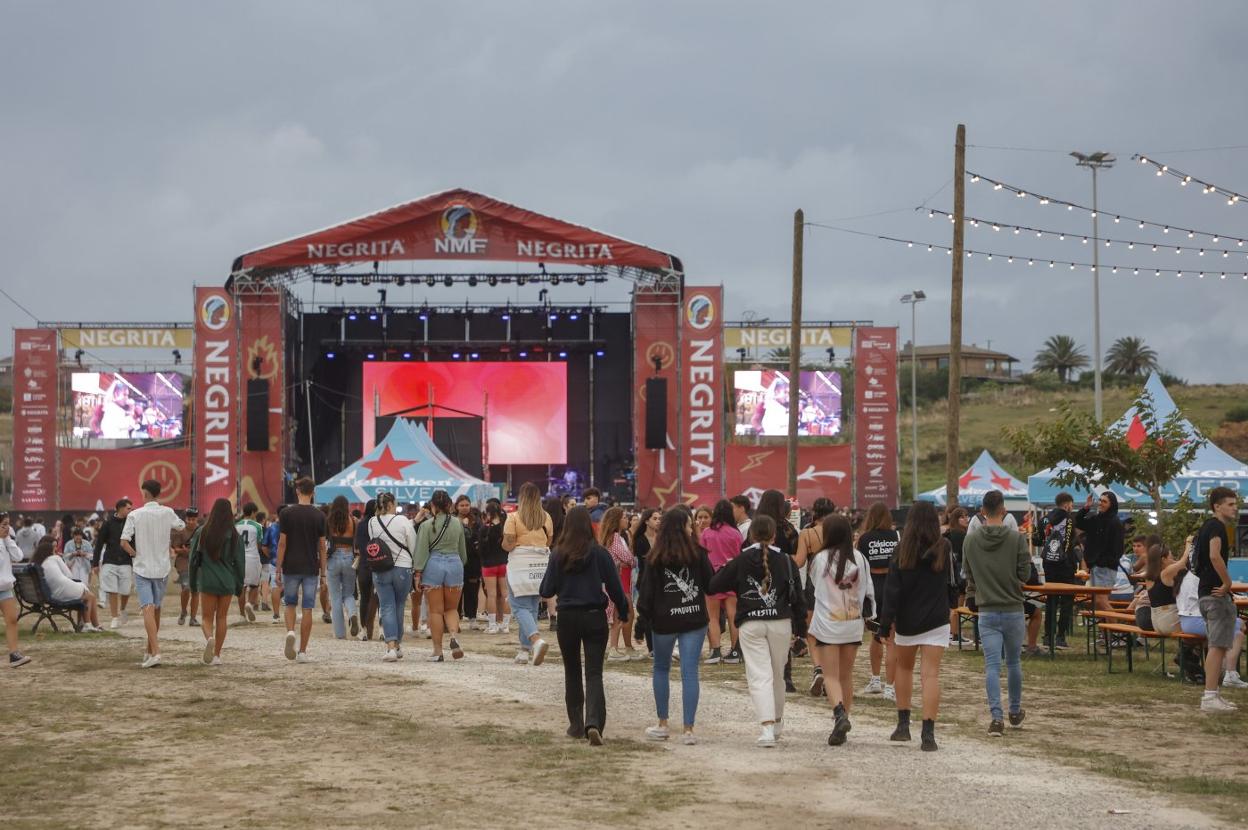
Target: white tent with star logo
[(408, 464), (984, 475)]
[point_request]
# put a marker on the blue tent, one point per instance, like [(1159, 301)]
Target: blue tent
[(984, 475), (1211, 468), (408, 464)]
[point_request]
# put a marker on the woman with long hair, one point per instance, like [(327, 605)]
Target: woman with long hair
[(772, 503), (494, 571), (917, 594), (810, 542), (878, 543), (722, 542), (363, 576), (583, 576), (218, 572), (470, 596), (672, 598), (63, 586), (339, 573), (641, 541), (610, 536), (393, 585), (9, 608), (527, 536), (441, 554), (769, 606), (557, 508), (843, 599)]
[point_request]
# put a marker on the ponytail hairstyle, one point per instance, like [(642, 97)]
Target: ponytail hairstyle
[(921, 537), (838, 541), (440, 501), (821, 509), (385, 503), (763, 533)]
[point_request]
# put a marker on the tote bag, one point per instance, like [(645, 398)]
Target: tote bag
[(525, 568)]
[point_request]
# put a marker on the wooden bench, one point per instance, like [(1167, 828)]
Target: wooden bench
[(34, 598), (967, 615), (1135, 631)]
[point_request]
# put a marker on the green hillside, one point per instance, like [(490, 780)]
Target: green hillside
[(985, 414)]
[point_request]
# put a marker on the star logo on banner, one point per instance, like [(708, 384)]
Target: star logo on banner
[(966, 479), (386, 465), (1001, 480), (665, 493)]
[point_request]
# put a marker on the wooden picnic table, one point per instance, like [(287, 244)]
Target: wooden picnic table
[(1053, 590), (1239, 587)]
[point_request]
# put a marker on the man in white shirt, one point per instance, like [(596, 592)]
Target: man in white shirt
[(146, 537), (30, 534)]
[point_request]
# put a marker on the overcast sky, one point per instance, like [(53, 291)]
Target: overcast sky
[(144, 145)]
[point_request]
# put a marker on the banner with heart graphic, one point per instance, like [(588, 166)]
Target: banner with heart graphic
[(90, 476)]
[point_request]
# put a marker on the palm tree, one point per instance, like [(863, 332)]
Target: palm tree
[(1061, 355), (779, 355), (1129, 356)]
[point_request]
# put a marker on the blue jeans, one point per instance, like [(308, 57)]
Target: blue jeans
[(341, 590), (293, 584), (690, 656), (1002, 631), (392, 588), (524, 609)]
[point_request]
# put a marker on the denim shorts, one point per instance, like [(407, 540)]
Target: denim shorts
[(1103, 577), (291, 583), (151, 591), (443, 570), (6, 594)]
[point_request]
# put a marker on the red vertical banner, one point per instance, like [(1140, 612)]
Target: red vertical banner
[(261, 319), (875, 410), (34, 419), (216, 389), (656, 325), (701, 405)]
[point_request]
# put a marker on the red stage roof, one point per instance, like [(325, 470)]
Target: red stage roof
[(457, 225)]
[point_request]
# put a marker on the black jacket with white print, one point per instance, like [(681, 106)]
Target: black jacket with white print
[(673, 601), (744, 575)]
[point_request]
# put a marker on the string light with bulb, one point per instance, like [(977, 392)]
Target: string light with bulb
[(1187, 180)]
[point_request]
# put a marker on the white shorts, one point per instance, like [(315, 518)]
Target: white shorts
[(251, 572), (117, 579), (938, 636)]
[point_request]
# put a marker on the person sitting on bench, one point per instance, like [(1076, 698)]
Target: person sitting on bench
[(62, 587), (1191, 622)]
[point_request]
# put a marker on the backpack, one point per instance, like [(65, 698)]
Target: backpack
[(377, 555)]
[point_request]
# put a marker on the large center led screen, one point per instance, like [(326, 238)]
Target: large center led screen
[(528, 403)]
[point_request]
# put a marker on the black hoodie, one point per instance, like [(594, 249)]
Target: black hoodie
[(674, 601), (1104, 544), (583, 587), (744, 576), (1056, 539), (108, 542)]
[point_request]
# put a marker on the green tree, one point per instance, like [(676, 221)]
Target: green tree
[(1130, 356), (1060, 354), (1099, 455)]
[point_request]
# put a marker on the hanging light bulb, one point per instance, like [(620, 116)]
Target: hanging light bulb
[(1044, 201), (975, 178)]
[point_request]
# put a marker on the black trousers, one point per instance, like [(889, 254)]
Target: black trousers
[(469, 597), (368, 598), (584, 628)]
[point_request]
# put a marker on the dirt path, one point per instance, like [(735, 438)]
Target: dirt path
[(349, 721)]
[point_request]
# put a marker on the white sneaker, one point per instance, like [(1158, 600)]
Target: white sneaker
[(505, 628), (249, 613), (522, 657), (874, 687), (425, 633), (1233, 680), (483, 617), (617, 654), (302, 657), (1215, 703), (146, 657), (125, 618), (492, 628), (92, 629), (474, 626), (363, 637), (778, 729), (290, 645), (768, 736), (392, 656), (151, 661), (657, 733), (398, 650), (209, 648), (115, 623), (689, 739), (889, 692), (276, 620), (216, 661), (539, 651), (634, 654)]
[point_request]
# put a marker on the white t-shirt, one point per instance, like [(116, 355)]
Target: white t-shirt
[(837, 617), (401, 529), (976, 524), (148, 530), (250, 531), (1187, 599)]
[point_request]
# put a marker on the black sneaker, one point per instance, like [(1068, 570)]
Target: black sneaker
[(16, 659), (554, 623), (996, 729), (901, 733), (734, 657), (1016, 718), (715, 657), (1061, 644), (789, 688), (325, 618), (840, 728), (816, 684)]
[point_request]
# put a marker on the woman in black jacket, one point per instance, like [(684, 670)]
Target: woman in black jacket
[(917, 599), (770, 610), (363, 576), (579, 572), (672, 598)]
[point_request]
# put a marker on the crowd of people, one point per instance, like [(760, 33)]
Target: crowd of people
[(759, 584)]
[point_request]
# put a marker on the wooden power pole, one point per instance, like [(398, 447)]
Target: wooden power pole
[(952, 464), (795, 348)]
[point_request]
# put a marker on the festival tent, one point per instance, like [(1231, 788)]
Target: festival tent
[(408, 464), (1211, 467), (984, 475)]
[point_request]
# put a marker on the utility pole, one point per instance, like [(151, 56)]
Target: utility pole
[(913, 299), (955, 319), (795, 348), (1095, 161)]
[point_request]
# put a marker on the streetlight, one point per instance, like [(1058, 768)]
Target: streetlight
[(1094, 162), (913, 299)]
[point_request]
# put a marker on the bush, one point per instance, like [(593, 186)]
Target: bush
[(1237, 414)]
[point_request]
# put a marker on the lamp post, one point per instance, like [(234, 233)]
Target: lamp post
[(1094, 162), (913, 299)]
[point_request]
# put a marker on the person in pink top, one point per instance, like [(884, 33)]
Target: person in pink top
[(611, 536), (722, 542)]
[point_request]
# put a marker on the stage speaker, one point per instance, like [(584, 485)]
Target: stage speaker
[(656, 413), (257, 415)]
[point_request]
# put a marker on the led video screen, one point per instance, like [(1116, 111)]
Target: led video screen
[(126, 409), (762, 399), (526, 410)]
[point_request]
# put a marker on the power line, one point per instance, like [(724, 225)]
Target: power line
[(14, 301)]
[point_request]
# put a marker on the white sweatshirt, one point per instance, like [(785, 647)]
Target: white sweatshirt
[(9, 553)]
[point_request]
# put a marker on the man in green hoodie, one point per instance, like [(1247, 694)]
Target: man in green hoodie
[(998, 562)]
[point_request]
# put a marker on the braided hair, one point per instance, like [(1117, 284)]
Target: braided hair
[(763, 532)]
